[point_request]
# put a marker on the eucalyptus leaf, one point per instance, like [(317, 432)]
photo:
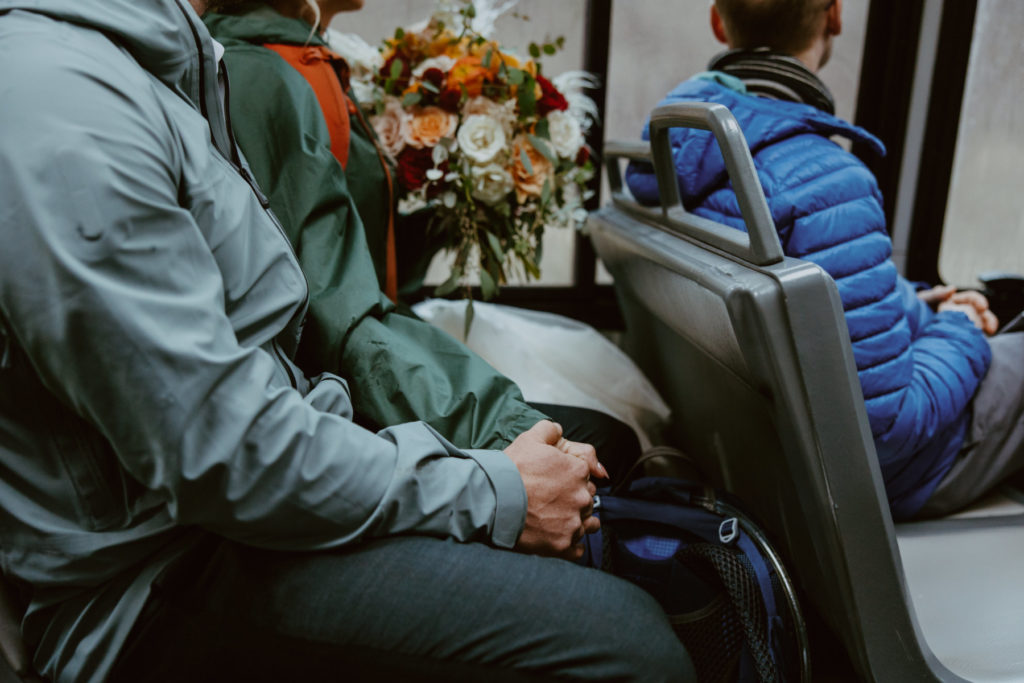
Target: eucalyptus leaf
[(495, 245), (396, 68), (545, 193), (515, 76), (469, 319), (449, 285), (527, 97), (487, 285), (543, 129), (523, 157), (488, 57), (411, 99), (544, 148)]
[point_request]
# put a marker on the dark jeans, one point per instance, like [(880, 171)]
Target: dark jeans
[(617, 444), (398, 609)]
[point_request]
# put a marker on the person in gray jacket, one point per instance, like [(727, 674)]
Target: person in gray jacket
[(177, 500)]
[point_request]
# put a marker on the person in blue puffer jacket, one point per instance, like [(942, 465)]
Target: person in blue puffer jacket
[(922, 357)]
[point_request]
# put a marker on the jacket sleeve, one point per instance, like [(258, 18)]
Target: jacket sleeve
[(918, 370), (400, 368), (110, 287)]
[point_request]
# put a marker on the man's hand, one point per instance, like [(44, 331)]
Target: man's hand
[(560, 496), (975, 306), (972, 304)]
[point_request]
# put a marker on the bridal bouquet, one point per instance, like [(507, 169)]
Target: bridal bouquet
[(482, 139)]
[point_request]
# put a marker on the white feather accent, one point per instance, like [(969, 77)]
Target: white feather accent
[(581, 107)]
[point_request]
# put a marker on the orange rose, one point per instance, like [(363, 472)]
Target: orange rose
[(428, 125), (469, 73), (529, 184)]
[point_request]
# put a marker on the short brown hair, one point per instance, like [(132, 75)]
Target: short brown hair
[(787, 26)]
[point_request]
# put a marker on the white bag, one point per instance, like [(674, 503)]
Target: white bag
[(557, 360)]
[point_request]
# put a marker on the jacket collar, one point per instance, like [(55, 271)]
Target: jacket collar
[(776, 76), (257, 23)]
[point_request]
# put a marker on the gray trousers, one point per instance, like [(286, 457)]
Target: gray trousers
[(994, 447), (399, 609)]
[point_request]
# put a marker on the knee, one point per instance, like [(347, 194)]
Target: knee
[(634, 639)]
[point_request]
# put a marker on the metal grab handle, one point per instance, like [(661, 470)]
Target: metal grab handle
[(761, 244), (618, 149)]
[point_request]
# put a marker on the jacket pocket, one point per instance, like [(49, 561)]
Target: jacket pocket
[(102, 491)]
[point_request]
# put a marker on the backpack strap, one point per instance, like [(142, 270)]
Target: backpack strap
[(327, 73), (314, 63)]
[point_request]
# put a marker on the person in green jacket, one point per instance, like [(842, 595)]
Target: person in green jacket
[(400, 368)]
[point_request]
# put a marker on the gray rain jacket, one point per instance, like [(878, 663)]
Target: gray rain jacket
[(148, 305)]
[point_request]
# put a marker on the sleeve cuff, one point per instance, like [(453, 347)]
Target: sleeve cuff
[(509, 493)]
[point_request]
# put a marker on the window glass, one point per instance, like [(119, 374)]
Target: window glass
[(655, 44), (984, 225)]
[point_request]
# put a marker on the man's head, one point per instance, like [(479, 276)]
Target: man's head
[(800, 28)]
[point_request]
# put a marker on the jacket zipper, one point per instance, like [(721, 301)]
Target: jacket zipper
[(236, 161)]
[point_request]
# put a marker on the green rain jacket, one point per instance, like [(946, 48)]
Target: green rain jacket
[(149, 304), (399, 368)]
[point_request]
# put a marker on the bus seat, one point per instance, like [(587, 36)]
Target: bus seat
[(12, 647), (750, 349)]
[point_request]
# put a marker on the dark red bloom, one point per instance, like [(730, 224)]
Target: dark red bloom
[(550, 99), (402, 82), (413, 165), (435, 77), (450, 100), (583, 156)]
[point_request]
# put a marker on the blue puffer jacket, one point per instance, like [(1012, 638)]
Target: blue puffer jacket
[(918, 369)]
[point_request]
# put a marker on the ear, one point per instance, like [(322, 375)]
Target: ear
[(717, 27), (834, 19)]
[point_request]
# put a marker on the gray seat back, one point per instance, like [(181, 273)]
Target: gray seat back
[(751, 350)]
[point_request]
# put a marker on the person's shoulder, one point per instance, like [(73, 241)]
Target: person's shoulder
[(261, 71), (60, 80)]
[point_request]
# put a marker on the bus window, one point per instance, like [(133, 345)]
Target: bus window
[(984, 225)]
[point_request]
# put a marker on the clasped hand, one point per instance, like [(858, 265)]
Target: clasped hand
[(560, 494), (972, 304)]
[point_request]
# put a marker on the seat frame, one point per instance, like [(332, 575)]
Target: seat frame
[(751, 350)]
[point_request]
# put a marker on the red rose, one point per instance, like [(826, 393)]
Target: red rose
[(583, 156), (550, 99), (434, 76), (450, 100), (413, 165), (402, 82)]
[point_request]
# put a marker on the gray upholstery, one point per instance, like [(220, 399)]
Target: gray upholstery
[(751, 351)]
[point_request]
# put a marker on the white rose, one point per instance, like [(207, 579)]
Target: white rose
[(481, 138), (504, 113), (391, 125), (491, 183), (442, 62), (566, 135)]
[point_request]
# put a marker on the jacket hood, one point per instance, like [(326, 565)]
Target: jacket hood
[(166, 37), (257, 23), (763, 121), (162, 35)]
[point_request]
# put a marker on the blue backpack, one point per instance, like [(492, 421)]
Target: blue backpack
[(723, 587)]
